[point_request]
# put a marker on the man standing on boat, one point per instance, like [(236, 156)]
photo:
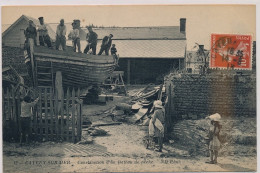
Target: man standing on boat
[(106, 44), (74, 35), (92, 41), (43, 33), (61, 35), (30, 35)]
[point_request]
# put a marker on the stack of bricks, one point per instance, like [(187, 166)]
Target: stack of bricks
[(193, 96)]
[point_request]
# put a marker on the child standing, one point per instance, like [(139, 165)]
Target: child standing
[(113, 52), (25, 117)]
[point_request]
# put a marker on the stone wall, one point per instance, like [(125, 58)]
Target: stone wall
[(194, 96)]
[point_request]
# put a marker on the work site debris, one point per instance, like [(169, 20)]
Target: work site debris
[(125, 107), (86, 140), (105, 124), (234, 136), (136, 107), (140, 114), (149, 91), (92, 95), (85, 121), (118, 112), (94, 131)]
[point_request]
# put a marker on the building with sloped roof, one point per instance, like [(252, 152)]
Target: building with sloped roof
[(147, 53), (13, 39), (14, 36)]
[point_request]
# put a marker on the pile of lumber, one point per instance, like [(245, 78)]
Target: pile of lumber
[(147, 92)]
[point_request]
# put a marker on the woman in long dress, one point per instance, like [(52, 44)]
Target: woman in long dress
[(156, 125), (214, 144)]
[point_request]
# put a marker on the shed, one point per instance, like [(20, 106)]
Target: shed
[(13, 36), (147, 53)]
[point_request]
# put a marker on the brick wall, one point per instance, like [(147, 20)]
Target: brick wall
[(195, 95), (14, 56)]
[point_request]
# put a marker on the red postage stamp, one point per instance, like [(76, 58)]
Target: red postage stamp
[(231, 51)]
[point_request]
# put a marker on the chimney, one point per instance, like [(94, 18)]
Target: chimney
[(201, 47), (183, 25)]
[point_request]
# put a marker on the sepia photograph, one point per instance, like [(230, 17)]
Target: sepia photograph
[(129, 88)]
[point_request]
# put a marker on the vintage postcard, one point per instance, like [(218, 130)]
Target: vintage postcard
[(129, 88)]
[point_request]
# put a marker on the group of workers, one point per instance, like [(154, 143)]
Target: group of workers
[(91, 38)]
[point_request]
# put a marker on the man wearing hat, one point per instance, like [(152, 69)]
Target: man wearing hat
[(30, 35), (61, 35), (157, 120), (92, 41), (106, 44), (43, 33), (74, 35)]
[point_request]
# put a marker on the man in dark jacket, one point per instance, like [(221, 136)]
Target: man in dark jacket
[(92, 41), (106, 44), (30, 35)]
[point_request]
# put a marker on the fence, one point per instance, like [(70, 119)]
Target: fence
[(10, 110), (55, 118)]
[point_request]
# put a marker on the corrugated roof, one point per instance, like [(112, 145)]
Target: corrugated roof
[(150, 48), (168, 32), (133, 33), (146, 48)]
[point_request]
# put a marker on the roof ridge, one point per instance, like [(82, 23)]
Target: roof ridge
[(133, 27)]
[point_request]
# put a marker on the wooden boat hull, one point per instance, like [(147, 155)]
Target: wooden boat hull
[(78, 70)]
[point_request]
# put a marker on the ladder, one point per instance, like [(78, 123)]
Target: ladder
[(44, 75)]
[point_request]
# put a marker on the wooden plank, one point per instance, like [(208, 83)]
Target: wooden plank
[(35, 118), (36, 72), (73, 114), (40, 112), (46, 114), (14, 106), (67, 60), (67, 114), (62, 115), (51, 114), (170, 103), (80, 132), (56, 114), (3, 108), (78, 117), (19, 108), (69, 55), (128, 71), (87, 72), (160, 92), (8, 104)]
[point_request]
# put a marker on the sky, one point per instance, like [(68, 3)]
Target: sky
[(202, 20)]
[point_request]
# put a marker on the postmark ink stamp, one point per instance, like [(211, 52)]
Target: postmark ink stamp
[(231, 51)]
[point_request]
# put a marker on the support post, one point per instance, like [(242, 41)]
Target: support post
[(179, 64), (128, 71), (58, 89)]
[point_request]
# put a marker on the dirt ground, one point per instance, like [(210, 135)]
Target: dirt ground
[(122, 149)]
